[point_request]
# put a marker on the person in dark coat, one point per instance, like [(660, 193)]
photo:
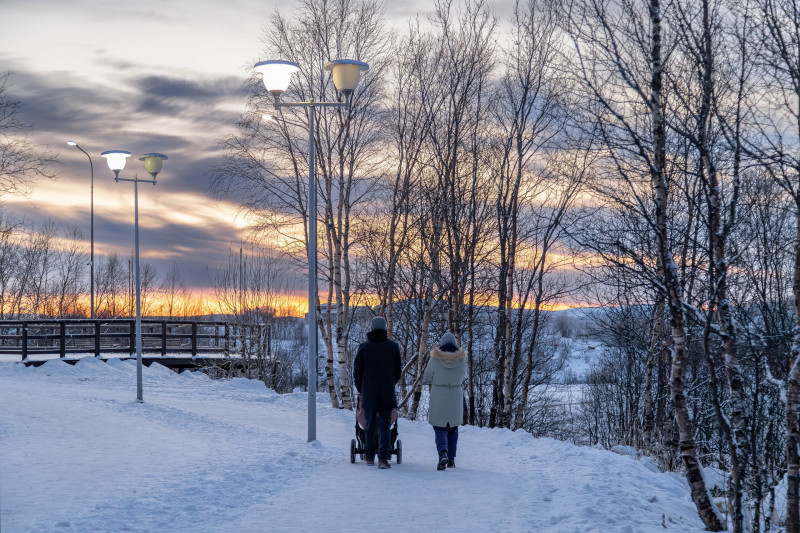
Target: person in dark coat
[(376, 371)]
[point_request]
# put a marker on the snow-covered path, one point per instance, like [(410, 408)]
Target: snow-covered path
[(78, 454)]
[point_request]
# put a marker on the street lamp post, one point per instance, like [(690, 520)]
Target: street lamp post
[(152, 163), (277, 74), (91, 225)]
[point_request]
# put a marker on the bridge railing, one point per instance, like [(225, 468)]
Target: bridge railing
[(85, 336)]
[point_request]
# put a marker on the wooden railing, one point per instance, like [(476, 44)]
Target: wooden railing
[(75, 336)]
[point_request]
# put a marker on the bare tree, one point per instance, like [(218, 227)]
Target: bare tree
[(148, 287), (708, 108), (21, 162), (270, 161), (622, 63), (530, 203), (453, 190), (112, 285), (778, 151), (386, 235), (68, 284), (35, 265), (250, 289), (174, 293), (9, 253)]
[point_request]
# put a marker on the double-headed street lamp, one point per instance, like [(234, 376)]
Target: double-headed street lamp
[(91, 224), (277, 75), (152, 163)]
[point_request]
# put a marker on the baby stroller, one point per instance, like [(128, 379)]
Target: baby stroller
[(358, 445)]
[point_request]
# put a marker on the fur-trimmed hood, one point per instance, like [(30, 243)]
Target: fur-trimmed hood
[(449, 357)]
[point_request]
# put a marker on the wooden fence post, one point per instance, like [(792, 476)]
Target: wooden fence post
[(96, 338), (132, 341), (163, 337), (24, 340), (194, 338), (62, 339)]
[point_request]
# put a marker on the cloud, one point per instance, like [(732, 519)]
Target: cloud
[(208, 91), (150, 76)]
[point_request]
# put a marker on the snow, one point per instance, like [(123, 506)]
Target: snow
[(582, 355), (78, 453)]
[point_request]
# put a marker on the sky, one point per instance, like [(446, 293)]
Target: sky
[(145, 76)]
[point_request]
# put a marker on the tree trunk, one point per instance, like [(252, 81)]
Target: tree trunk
[(342, 337), (470, 343), (694, 474), (736, 432), (792, 393), (656, 343), (422, 347), (503, 326), (327, 338), (526, 380)]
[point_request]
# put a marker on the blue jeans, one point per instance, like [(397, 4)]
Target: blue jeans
[(381, 418), (446, 439)]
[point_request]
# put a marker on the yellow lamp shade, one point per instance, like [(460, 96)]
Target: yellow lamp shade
[(346, 73), (153, 162)]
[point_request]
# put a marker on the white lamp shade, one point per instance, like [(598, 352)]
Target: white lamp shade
[(153, 162), (116, 159), (346, 73), (276, 74)]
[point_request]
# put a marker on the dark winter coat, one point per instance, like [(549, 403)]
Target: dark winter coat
[(376, 370), (445, 372)]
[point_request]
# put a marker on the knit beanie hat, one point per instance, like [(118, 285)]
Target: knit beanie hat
[(448, 338), (378, 323)]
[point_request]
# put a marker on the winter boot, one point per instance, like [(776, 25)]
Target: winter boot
[(383, 464), (370, 461), (442, 460), (451, 462)]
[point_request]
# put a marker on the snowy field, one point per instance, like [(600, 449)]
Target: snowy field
[(77, 453)]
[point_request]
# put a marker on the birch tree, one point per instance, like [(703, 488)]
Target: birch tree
[(248, 288), (68, 276), (174, 293), (620, 51), (779, 152), (269, 159), (452, 222), (113, 287), (21, 162), (531, 113), (708, 108)]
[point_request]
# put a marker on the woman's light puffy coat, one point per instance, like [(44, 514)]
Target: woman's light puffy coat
[(445, 373)]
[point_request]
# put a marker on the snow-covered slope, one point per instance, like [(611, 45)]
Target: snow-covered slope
[(77, 453)]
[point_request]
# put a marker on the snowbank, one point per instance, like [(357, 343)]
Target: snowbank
[(77, 453)]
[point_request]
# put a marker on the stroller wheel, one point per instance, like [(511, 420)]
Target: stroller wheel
[(353, 451), (399, 451)]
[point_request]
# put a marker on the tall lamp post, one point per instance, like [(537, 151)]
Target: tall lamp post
[(152, 163), (91, 225), (277, 74)]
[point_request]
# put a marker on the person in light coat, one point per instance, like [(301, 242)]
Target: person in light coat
[(445, 373)]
